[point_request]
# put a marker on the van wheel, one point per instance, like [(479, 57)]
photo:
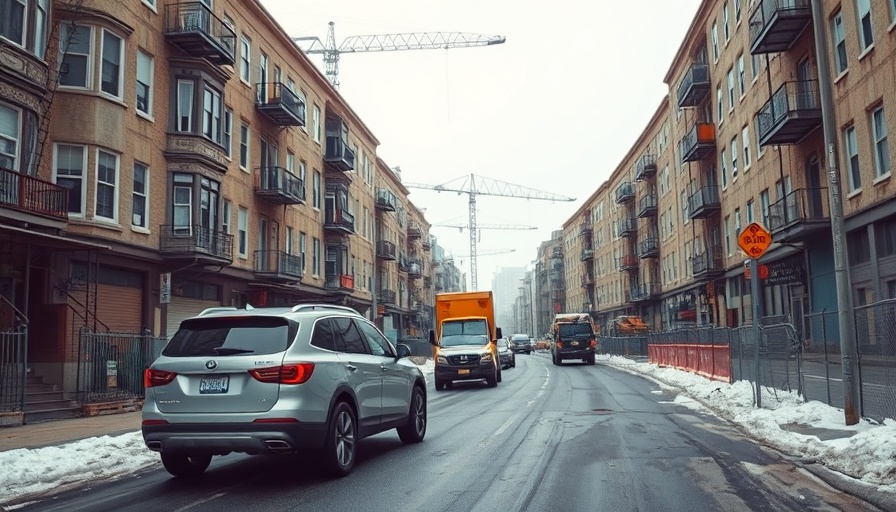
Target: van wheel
[(440, 385), (338, 454), (184, 464)]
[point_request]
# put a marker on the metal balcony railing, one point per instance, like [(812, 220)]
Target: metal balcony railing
[(31, 195), (195, 29), (694, 85), (280, 104), (790, 114)]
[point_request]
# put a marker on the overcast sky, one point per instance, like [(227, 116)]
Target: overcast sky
[(555, 108)]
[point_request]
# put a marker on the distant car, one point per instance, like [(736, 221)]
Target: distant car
[(506, 354), (274, 380), (521, 343)]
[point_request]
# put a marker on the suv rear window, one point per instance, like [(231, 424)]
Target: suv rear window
[(574, 329), (226, 336)]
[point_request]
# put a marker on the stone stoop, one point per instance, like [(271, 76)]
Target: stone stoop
[(45, 402)]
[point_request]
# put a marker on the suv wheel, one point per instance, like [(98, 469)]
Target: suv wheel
[(184, 464), (341, 443), (440, 384), (414, 430)]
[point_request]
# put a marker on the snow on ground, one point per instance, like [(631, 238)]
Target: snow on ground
[(868, 455)]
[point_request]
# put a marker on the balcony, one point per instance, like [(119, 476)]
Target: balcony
[(277, 266), (644, 292), (799, 214), (197, 243), (386, 297), (337, 154), (694, 86), (587, 279), (625, 192), (426, 244), (586, 227), (775, 25), (557, 252), (646, 167), (414, 231), (386, 200), (704, 202), (337, 220), (647, 206), (627, 227), (793, 112), (587, 254), (386, 250), (415, 268), (649, 248), (282, 106), (699, 143), (194, 28), (33, 196), (340, 283), (709, 264), (279, 186), (628, 262)]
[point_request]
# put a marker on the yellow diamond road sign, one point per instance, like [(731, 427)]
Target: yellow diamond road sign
[(754, 240)]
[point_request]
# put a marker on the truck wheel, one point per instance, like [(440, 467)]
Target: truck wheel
[(492, 380), (590, 359)]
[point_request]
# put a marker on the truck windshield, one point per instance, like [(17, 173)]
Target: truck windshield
[(465, 332)]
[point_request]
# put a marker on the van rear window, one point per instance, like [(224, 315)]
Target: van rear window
[(575, 329), (226, 336)]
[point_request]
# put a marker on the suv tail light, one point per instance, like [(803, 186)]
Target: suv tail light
[(293, 373), (157, 377)]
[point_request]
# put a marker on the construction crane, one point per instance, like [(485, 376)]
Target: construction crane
[(387, 43), (485, 226), (473, 186)]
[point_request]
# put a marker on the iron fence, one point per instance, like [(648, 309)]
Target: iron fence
[(12, 370), (111, 365), (622, 345)]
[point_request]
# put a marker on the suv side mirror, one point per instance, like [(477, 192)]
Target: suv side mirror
[(403, 350)]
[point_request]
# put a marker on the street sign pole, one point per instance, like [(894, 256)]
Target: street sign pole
[(754, 296)]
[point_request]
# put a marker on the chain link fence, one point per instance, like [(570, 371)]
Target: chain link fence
[(876, 338)]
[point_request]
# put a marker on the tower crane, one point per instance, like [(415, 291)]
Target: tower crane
[(473, 186), (485, 226), (387, 43)]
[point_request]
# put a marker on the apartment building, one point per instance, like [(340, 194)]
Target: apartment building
[(164, 157), (550, 283), (739, 139)]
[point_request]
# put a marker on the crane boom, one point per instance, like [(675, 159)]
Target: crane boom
[(387, 43), (473, 186), (485, 226)]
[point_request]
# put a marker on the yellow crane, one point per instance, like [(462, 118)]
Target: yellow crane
[(473, 186), (387, 43)]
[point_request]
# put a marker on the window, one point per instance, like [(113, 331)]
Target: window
[(737, 11), (182, 209), (290, 161), (715, 41), (866, 34), (881, 146), (68, 170), (245, 58), (185, 105), (144, 83), (724, 169), (852, 159), (226, 213), (755, 65), (10, 134), (75, 68), (734, 154), (839, 37), (303, 99), (242, 227), (140, 209), (111, 68), (315, 256), (244, 146), (228, 131), (858, 246), (748, 158), (885, 237), (12, 21), (763, 203), (731, 88), (315, 191), (106, 183), (726, 26), (741, 81), (211, 114), (315, 119), (750, 211), (728, 235), (303, 242), (720, 103)]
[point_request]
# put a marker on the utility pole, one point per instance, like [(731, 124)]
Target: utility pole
[(848, 349)]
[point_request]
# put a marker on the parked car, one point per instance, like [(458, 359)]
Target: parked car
[(506, 355), (521, 343), (275, 380)]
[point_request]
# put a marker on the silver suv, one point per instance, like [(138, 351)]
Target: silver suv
[(274, 380)]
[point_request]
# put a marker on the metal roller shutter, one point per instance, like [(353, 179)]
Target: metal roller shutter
[(120, 307), (181, 308)]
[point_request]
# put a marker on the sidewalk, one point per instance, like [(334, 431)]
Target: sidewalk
[(52, 433)]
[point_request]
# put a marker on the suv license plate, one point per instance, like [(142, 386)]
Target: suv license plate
[(213, 384), (463, 371)]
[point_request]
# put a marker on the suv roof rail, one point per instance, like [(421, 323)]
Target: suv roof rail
[(216, 309), (300, 307)]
